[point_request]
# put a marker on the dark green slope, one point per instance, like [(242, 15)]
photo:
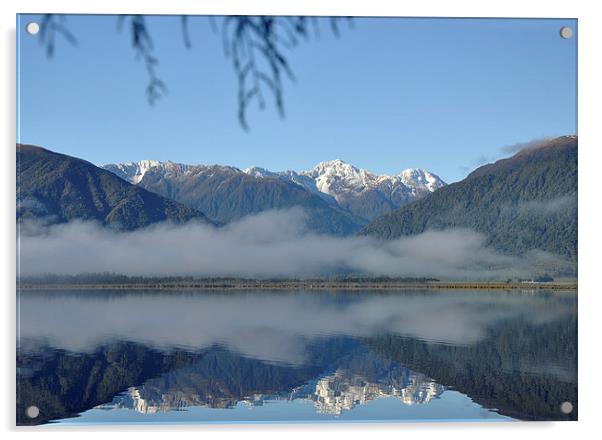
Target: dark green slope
[(58, 188), (226, 194), (525, 202)]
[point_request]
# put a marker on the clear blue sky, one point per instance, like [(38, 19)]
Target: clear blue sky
[(389, 94)]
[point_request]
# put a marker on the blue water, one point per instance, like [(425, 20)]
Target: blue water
[(101, 357), (452, 405)]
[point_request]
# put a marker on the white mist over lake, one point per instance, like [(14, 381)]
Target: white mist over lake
[(269, 244), (276, 326)]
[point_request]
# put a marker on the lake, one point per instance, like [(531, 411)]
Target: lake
[(139, 357)]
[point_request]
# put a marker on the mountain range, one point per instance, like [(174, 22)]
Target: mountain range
[(338, 197), (522, 203), (226, 194), (363, 193)]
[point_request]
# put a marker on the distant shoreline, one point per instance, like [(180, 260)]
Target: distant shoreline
[(303, 285)]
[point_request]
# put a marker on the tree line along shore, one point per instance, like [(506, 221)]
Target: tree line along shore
[(314, 284)]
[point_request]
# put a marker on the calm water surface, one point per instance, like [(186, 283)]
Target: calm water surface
[(91, 357)]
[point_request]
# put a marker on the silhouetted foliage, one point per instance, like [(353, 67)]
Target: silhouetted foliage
[(255, 44), (51, 26), (143, 46)]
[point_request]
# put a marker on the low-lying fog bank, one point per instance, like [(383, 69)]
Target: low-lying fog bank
[(267, 245)]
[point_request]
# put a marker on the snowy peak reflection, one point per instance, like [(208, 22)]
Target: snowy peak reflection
[(332, 394), (342, 391)]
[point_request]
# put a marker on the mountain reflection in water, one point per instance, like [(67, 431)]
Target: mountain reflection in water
[(334, 393), (511, 353)]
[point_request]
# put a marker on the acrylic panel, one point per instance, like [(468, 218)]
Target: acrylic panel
[(280, 219)]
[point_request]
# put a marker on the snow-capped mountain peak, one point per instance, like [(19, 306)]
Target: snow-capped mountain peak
[(414, 177), (336, 167), (142, 168), (260, 172), (342, 185), (133, 172), (339, 179), (339, 182)]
